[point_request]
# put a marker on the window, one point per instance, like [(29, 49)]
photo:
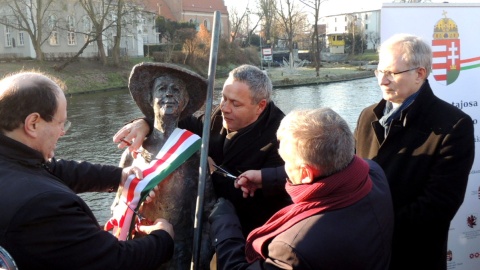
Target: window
[(366, 16), (87, 28), (71, 23), (366, 26), (21, 39), (52, 22), (52, 25), (53, 40), (8, 36), (71, 36)]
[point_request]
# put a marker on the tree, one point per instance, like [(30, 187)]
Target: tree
[(173, 33), (354, 43), (374, 38), (292, 20), (204, 37), (189, 46), (35, 17), (267, 8), (118, 32), (252, 25), (236, 21), (316, 46), (98, 11)]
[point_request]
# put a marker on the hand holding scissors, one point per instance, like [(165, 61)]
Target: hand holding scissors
[(223, 172)]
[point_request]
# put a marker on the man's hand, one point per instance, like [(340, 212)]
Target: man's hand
[(127, 171), (132, 135), (222, 207), (159, 224), (249, 181)]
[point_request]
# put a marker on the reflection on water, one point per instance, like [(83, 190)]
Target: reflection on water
[(346, 98), (96, 117)]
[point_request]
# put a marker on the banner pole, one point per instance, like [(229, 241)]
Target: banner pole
[(203, 174)]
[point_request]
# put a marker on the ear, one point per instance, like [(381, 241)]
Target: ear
[(422, 74), (308, 173), (261, 106), (32, 124)]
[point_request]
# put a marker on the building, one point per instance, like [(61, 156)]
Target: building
[(66, 26), (365, 23), (193, 11)]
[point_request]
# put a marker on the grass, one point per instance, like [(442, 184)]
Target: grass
[(87, 75)]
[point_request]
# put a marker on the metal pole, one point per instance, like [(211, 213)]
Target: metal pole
[(205, 139)]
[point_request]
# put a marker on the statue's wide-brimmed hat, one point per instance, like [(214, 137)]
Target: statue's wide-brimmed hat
[(143, 76)]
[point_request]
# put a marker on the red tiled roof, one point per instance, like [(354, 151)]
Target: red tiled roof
[(204, 6), (159, 5)]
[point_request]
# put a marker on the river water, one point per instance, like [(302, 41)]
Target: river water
[(96, 117)]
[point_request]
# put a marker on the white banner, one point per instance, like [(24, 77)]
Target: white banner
[(452, 30)]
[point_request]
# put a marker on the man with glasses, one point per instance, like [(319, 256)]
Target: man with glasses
[(426, 148), (44, 224)]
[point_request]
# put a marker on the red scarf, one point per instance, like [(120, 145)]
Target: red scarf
[(333, 192)]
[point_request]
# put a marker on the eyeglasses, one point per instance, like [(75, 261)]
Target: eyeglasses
[(390, 75), (66, 124)]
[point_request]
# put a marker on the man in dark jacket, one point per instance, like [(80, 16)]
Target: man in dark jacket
[(242, 137), (44, 224), (426, 148), (342, 213)]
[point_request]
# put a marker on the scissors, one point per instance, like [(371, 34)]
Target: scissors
[(223, 172)]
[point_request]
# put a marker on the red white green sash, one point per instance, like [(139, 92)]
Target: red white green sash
[(180, 146)]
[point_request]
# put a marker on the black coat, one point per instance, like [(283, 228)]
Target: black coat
[(45, 225), (427, 157), (253, 148), (354, 237)]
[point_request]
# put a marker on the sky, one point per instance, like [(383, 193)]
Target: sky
[(330, 7)]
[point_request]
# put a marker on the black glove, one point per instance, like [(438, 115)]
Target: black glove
[(221, 208)]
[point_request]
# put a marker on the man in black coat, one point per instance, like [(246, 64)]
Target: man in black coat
[(44, 224), (426, 148), (242, 137), (341, 216)]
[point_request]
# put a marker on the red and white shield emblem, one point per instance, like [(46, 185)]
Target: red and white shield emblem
[(446, 60)]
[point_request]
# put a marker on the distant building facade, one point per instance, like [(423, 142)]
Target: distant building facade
[(67, 25), (364, 23)]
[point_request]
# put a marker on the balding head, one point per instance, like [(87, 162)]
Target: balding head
[(24, 93)]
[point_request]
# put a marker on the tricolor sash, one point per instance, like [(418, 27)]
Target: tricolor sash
[(180, 146)]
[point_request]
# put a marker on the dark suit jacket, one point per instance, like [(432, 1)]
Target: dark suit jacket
[(354, 237), (45, 225), (253, 148), (427, 157)]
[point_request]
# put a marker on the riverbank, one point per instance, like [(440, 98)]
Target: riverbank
[(86, 76)]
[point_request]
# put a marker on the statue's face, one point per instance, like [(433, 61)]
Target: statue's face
[(169, 96)]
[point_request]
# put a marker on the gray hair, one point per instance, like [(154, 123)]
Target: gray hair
[(321, 138), (415, 51), (259, 83)]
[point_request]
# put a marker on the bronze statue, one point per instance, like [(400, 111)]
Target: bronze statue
[(168, 93)]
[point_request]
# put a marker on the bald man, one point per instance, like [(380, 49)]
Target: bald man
[(44, 223)]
